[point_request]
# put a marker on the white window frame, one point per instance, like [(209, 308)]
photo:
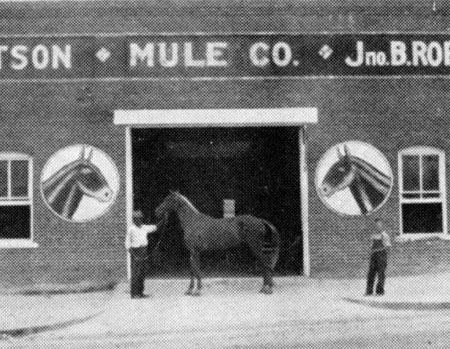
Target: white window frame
[(19, 201), (422, 151)]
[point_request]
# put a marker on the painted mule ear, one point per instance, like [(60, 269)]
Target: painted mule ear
[(346, 151), (83, 149), (89, 157)]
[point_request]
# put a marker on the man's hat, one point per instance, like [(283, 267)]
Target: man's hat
[(137, 214)]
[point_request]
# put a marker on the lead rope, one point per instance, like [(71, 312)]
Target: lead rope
[(161, 234)]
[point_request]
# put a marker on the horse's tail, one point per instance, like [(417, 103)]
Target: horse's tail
[(271, 244)]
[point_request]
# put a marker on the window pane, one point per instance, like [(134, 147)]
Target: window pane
[(411, 196), (3, 178), (19, 178), (431, 195), (431, 172), (422, 218), (411, 172), (15, 222)]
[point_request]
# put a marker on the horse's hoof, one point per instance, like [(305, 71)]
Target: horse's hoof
[(188, 293), (196, 293), (266, 290)]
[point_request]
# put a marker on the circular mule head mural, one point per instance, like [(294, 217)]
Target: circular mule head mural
[(354, 178), (79, 183)]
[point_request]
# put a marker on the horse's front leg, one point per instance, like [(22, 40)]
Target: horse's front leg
[(191, 273), (268, 280), (195, 259)]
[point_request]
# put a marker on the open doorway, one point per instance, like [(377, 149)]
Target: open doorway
[(245, 170)]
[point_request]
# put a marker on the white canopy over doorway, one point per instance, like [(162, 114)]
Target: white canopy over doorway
[(216, 117)]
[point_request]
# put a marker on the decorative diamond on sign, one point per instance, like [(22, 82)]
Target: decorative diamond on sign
[(103, 54), (326, 51)]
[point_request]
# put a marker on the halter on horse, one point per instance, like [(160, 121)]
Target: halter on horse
[(368, 185), (203, 232), (64, 189)]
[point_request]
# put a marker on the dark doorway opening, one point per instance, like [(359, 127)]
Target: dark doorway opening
[(245, 170)]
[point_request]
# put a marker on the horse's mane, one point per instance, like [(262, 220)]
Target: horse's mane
[(187, 202)]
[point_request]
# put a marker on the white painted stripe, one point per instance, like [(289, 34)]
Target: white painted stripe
[(216, 117)]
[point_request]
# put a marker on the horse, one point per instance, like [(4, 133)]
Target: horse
[(65, 188), (368, 185), (203, 232)]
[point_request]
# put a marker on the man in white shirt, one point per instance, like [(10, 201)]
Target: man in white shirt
[(136, 243)]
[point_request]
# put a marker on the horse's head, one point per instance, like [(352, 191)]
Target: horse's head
[(339, 176), (90, 179), (170, 203)]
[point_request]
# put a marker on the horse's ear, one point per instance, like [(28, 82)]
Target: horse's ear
[(339, 154)]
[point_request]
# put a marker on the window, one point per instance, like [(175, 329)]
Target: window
[(16, 200), (422, 191)]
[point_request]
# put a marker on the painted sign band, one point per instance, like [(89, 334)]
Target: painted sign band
[(240, 55)]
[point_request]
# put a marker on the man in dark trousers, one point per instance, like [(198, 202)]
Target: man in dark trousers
[(136, 243), (378, 259)]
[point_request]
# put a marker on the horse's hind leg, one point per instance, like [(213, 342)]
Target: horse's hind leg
[(269, 257), (265, 269), (256, 248), (267, 276)]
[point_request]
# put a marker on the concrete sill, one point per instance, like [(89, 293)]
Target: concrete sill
[(414, 237), (18, 243)]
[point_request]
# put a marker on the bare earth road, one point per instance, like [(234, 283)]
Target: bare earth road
[(303, 313), (413, 330)]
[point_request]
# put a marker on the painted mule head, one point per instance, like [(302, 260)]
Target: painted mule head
[(64, 189), (339, 176), (368, 185)]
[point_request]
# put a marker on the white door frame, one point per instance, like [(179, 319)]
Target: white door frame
[(191, 118), (304, 208), (128, 187)]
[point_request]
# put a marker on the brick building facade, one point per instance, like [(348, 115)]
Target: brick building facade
[(40, 116)]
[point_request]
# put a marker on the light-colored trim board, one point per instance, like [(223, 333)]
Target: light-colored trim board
[(304, 208), (217, 117), (18, 243), (129, 188)]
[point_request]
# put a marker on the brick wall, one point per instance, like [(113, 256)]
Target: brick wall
[(392, 114), (39, 119), (142, 16)]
